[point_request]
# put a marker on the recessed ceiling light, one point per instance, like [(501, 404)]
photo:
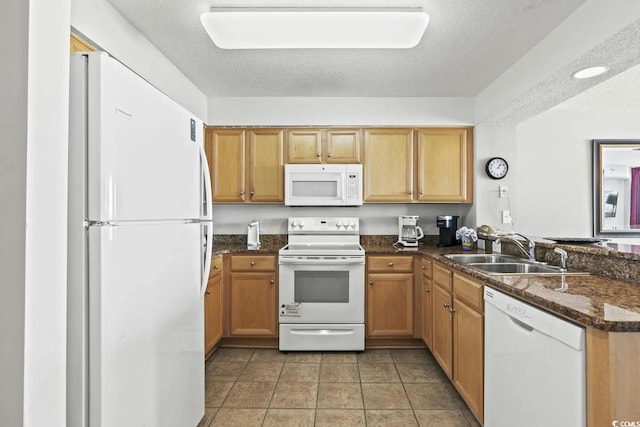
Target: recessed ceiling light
[(335, 27), (587, 73)]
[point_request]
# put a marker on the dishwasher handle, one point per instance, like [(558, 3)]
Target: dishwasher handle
[(521, 324)]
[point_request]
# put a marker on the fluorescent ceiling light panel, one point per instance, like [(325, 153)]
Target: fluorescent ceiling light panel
[(315, 28)]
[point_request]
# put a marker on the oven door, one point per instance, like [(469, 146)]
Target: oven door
[(321, 289)]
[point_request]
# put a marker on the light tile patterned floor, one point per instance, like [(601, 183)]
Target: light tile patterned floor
[(263, 387)]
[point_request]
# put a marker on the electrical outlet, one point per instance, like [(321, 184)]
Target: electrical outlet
[(503, 191), (506, 217)]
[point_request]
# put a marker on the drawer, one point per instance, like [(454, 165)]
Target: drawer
[(260, 262), (442, 276), (427, 269), (390, 263), (468, 291), (216, 266)]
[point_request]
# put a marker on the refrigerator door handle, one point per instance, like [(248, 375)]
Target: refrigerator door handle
[(204, 169), (207, 257)]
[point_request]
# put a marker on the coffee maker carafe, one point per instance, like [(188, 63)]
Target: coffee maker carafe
[(448, 224), (409, 232)]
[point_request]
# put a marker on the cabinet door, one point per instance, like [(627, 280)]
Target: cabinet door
[(343, 146), (227, 164), (390, 305), (265, 165), (445, 165), (442, 344), (427, 312), (388, 165), (213, 313), (253, 304), (468, 357), (304, 146)]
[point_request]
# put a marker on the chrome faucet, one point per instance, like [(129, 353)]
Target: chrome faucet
[(530, 250)]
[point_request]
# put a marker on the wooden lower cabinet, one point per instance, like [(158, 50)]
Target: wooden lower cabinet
[(468, 356), (427, 305), (213, 301), (389, 297), (253, 297), (458, 334), (442, 346)]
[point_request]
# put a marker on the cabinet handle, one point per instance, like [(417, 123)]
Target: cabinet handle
[(215, 267), (208, 292), (272, 281), (251, 193), (370, 282), (253, 263), (242, 193), (317, 154), (329, 155), (427, 290), (421, 192), (452, 310), (390, 264), (424, 267), (411, 193), (445, 305)]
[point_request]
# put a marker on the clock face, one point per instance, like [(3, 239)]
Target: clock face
[(497, 168)]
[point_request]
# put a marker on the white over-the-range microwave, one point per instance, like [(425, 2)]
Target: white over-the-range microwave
[(322, 185)]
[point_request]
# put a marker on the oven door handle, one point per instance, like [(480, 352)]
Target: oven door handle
[(313, 332), (322, 261)]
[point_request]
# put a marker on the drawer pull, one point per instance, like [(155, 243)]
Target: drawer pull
[(370, 282), (272, 281), (215, 267), (427, 290), (390, 264), (253, 263), (208, 292), (452, 310), (445, 306)]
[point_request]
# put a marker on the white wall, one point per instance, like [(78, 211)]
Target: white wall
[(103, 25), (14, 25), (33, 159), (303, 111), (374, 219), (495, 142), (555, 167)]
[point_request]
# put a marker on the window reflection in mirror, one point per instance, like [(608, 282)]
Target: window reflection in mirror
[(616, 183)]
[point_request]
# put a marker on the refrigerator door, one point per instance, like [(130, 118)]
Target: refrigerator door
[(146, 326), (143, 149)]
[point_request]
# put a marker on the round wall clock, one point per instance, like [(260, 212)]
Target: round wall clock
[(497, 168)]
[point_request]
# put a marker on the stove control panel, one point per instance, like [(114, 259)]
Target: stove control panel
[(324, 225)]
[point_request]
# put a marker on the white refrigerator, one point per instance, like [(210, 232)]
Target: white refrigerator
[(139, 252)]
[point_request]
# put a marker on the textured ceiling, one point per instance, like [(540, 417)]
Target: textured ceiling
[(467, 45)]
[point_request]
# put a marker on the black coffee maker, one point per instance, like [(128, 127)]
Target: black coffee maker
[(448, 224)]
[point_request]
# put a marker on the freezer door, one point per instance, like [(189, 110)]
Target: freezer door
[(146, 326), (143, 149)]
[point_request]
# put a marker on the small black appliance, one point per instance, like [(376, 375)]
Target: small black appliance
[(448, 224)]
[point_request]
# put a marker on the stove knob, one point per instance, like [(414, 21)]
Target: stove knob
[(301, 224), (339, 224), (294, 224), (352, 225)]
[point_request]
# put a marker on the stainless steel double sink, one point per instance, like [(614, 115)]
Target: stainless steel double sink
[(499, 264)]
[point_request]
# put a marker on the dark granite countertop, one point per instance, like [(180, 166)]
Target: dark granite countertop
[(592, 300)]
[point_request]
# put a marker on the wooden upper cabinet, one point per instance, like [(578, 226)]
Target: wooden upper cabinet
[(246, 165), (265, 165), (304, 146), (388, 165), (79, 45), (323, 146), (445, 165), (343, 146), (226, 153)]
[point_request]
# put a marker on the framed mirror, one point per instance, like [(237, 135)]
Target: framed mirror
[(616, 187)]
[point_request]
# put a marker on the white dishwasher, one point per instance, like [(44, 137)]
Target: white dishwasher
[(534, 366)]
